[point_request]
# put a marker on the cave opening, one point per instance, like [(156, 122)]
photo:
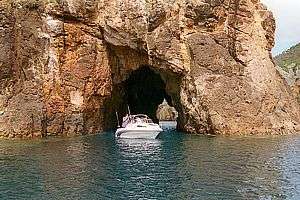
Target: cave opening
[(143, 91)]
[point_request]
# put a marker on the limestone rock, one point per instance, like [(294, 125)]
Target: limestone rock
[(65, 66), (166, 113)]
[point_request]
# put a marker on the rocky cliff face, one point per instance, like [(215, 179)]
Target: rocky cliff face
[(67, 65), (166, 113)]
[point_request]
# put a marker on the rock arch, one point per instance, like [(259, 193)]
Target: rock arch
[(133, 74), (63, 66)]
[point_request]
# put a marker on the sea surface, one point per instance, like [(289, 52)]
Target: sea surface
[(175, 166)]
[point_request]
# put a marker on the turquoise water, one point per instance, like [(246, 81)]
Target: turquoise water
[(175, 166)]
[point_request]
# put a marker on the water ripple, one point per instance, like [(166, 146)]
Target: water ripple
[(176, 166)]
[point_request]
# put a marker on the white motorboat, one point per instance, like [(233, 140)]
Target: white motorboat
[(138, 126)]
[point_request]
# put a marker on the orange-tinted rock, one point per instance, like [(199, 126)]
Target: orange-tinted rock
[(63, 65)]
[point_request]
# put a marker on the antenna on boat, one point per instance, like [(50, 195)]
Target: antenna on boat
[(129, 112), (118, 119), (128, 109)]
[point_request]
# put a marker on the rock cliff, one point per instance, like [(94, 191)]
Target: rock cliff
[(67, 65), (166, 113)]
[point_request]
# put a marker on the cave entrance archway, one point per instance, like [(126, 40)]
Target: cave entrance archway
[(143, 91)]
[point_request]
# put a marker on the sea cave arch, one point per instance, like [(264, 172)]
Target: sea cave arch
[(143, 90)]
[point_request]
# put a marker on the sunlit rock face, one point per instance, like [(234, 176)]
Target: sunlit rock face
[(165, 112), (65, 66)]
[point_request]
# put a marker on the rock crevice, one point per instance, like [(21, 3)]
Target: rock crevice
[(64, 66)]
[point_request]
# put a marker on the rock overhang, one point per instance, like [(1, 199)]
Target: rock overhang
[(214, 57)]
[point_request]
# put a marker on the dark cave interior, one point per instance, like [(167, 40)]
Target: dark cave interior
[(145, 90), (142, 91)]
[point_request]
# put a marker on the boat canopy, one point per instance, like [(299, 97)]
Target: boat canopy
[(140, 116)]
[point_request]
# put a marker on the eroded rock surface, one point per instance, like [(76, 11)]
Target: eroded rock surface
[(165, 112), (64, 65)]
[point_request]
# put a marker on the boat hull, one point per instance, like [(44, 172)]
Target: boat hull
[(137, 134)]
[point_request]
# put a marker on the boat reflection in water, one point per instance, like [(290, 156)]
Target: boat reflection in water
[(174, 166), (136, 148)]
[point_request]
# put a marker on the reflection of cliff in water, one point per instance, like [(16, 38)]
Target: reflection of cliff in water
[(175, 166), (250, 167), (60, 161)]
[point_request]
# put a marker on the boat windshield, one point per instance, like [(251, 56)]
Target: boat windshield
[(136, 118), (142, 118)]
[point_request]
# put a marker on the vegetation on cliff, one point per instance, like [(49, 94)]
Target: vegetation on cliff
[(289, 59), (289, 63)]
